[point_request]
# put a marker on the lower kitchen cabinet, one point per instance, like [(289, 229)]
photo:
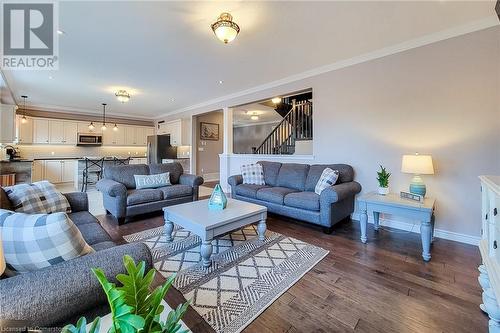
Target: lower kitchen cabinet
[(55, 171)]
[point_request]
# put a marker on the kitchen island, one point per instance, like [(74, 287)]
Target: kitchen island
[(20, 167)]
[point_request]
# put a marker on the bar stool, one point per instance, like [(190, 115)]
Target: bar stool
[(121, 161), (92, 167)]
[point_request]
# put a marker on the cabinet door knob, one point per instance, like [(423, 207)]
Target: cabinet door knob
[(495, 244), (495, 212)]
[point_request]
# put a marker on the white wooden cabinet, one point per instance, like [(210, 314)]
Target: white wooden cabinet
[(24, 131), (70, 132), (179, 131), (37, 171), (139, 160), (62, 132), (8, 120), (55, 171), (68, 170), (40, 130)]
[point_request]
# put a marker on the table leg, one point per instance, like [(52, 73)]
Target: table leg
[(261, 229), (376, 216), (432, 227), (363, 220), (206, 252), (169, 228), (426, 235)]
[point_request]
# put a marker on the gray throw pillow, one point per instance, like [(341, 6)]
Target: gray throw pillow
[(152, 181), (34, 241), (39, 197)]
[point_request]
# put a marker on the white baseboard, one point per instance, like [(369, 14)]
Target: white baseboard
[(415, 227)]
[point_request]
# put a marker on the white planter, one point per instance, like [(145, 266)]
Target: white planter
[(383, 190)]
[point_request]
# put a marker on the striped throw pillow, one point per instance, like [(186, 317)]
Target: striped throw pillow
[(34, 241), (253, 174), (328, 178)]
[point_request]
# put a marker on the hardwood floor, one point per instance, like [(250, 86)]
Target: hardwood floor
[(381, 286)]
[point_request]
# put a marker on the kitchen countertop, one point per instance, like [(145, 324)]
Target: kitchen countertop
[(16, 161)]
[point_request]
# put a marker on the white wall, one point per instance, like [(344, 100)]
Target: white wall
[(441, 99)]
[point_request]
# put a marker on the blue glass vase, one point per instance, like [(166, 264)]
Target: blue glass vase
[(218, 200)]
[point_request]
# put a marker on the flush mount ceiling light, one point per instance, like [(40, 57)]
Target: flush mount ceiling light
[(23, 119), (225, 29), (122, 95), (276, 100)]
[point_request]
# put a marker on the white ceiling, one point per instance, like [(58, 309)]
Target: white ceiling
[(266, 114), (164, 50)]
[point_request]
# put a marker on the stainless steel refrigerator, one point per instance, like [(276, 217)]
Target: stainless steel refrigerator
[(159, 148)]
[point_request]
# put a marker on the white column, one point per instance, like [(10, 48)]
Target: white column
[(224, 158)]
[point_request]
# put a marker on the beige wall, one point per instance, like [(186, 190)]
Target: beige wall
[(207, 161), (441, 99)]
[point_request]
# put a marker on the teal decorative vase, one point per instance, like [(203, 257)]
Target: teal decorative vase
[(218, 200), (417, 186)]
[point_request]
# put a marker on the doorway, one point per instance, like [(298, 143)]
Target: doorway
[(209, 131)]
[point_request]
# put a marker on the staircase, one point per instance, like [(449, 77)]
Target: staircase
[(295, 125)]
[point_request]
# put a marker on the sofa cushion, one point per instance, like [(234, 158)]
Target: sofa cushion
[(103, 245), (346, 174), (249, 190), (124, 174), (274, 194), (293, 175), (135, 197), (303, 200), (81, 218), (176, 191), (93, 233), (271, 170), (175, 170)]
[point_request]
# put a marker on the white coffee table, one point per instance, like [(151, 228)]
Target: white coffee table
[(208, 224)]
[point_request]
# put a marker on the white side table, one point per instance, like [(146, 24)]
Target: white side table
[(393, 204)]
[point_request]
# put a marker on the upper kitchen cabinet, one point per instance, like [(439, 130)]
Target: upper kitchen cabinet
[(112, 137), (62, 132), (40, 130), (24, 130), (179, 131), (7, 119), (137, 135)]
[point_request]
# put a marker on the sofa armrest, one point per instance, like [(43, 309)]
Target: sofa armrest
[(111, 188), (66, 290), (340, 192), (235, 180), (191, 180), (78, 201)]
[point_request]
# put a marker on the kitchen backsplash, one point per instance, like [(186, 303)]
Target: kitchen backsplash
[(39, 151)]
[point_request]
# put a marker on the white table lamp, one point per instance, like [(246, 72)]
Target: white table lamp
[(417, 165)]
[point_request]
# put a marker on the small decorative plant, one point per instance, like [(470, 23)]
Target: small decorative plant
[(383, 181), (134, 308)]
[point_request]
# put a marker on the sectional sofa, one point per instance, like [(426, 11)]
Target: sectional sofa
[(289, 191)]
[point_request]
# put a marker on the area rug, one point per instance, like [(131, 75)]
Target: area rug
[(246, 276)]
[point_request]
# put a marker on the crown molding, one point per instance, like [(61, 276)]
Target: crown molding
[(67, 109), (473, 26)]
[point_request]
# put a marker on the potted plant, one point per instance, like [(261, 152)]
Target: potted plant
[(383, 181), (134, 307)]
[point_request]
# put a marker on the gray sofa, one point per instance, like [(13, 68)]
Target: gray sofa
[(289, 191), (122, 199), (60, 294)]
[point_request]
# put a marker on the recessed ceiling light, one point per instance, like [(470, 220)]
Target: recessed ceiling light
[(51, 77), (276, 100), (172, 99), (221, 82), (60, 32), (254, 117)]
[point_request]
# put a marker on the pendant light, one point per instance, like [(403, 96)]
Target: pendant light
[(115, 128), (23, 119), (103, 117)]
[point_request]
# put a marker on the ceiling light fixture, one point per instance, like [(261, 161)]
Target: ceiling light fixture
[(276, 100), (221, 82), (103, 116), (115, 128), (122, 95), (23, 119), (91, 126), (254, 117), (60, 32), (225, 29)]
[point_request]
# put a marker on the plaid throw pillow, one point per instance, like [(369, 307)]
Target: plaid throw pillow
[(39, 197), (34, 241), (328, 178), (253, 174)]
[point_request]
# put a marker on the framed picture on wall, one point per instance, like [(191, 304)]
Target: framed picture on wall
[(209, 131)]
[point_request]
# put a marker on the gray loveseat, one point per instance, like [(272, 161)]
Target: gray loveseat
[(289, 191), (122, 199), (60, 294)]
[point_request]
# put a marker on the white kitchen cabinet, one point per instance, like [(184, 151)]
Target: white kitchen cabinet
[(37, 171), (53, 171), (68, 170), (179, 131), (40, 130), (62, 132), (24, 131), (70, 130), (139, 160), (8, 121), (130, 135)]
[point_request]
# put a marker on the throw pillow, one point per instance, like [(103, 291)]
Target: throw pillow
[(39, 197), (253, 174), (152, 181), (328, 178), (34, 241)]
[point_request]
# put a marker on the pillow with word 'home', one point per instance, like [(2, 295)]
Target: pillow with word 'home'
[(34, 241), (253, 174), (152, 181), (328, 178)]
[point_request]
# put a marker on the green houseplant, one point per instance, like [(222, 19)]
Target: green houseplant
[(134, 307), (383, 181)]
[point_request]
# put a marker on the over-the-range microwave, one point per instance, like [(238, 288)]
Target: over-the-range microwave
[(89, 139)]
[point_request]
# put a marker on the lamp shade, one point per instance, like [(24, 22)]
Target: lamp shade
[(2, 259), (417, 164)]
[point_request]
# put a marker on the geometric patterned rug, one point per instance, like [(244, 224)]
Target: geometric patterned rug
[(246, 276)]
